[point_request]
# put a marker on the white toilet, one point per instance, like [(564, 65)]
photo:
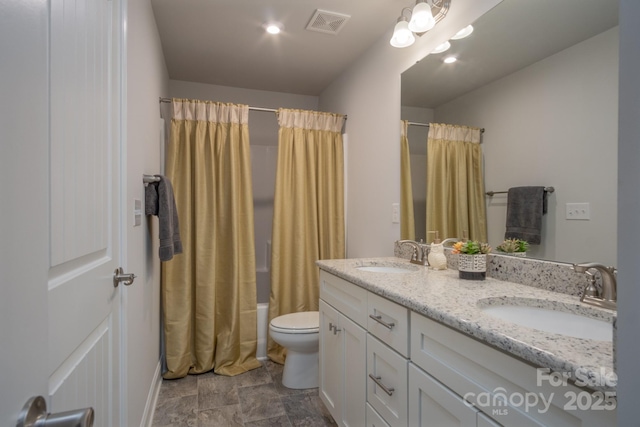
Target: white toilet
[(298, 333)]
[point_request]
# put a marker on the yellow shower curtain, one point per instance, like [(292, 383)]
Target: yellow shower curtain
[(455, 184), (407, 221), (308, 217), (209, 292)]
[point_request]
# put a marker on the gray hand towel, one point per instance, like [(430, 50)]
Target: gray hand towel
[(159, 201), (525, 207)]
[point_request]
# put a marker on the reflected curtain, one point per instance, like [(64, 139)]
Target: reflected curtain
[(455, 185), (209, 292), (308, 217), (407, 221)]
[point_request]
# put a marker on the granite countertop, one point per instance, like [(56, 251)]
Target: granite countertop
[(442, 296)]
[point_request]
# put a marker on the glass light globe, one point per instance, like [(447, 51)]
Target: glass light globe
[(402, 36), (421, 18)]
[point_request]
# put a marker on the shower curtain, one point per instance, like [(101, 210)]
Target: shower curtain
[(455, 185), (209, 292), (308, 218), (407, 221)]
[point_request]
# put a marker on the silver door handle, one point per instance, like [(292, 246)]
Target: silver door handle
[(34, 414), (384, 388), (120, 276), (378, 319)]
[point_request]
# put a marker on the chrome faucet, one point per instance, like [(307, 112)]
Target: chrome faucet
[(420, 252), (606, 297)]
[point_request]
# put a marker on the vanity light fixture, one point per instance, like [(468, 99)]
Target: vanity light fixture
[(450, 59), (273, 28), (423, 17), (402, 35), (465, 32), (441, 47)]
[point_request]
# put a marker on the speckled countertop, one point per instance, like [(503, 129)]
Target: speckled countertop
[(442, 296)]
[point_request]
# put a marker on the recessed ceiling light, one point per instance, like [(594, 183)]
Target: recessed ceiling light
[(450, 59), (441, 48), (273, 28), (463, 33)]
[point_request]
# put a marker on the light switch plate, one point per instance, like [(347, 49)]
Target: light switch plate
[(395, 213), (137, 212), (578, 211)]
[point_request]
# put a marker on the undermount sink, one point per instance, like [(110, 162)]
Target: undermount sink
[(395, 268), (557, 320)]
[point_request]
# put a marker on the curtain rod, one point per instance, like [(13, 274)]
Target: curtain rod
[(427, 125), (269, 110)]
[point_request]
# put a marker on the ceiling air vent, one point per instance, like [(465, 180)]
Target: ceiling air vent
[(327, 22)]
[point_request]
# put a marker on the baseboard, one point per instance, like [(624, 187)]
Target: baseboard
[(152, 398)]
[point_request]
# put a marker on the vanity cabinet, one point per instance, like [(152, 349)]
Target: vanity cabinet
[(342, 350), (382, 365)]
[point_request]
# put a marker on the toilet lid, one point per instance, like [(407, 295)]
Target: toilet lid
[(302, 322)]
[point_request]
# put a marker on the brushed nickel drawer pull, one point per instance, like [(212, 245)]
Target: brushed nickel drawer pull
[(376, 380), (378, 319)]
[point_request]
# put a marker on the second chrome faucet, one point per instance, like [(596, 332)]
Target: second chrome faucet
[(606, 296)]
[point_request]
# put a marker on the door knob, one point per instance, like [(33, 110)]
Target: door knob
[(120, 276), (34, 414)]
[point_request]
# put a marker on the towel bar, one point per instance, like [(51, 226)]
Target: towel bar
[(149, 178), (491, 193)]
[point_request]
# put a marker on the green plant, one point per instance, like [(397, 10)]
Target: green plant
[(471, 247), (513, 245)]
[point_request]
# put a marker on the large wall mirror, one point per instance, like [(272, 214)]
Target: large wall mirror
[(541, 77)]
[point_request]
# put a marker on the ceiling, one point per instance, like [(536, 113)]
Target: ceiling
[(223, 42)]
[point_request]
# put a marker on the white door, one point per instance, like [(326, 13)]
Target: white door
[(61, 207)]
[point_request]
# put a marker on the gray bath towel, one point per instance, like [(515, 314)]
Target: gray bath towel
[(159, 201), (525, 207)]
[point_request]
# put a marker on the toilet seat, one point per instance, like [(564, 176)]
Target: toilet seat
[(304, 322)]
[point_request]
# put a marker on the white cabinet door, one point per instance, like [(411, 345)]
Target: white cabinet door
[(342, 367), (387, 382), (330, 358), (433, 405)]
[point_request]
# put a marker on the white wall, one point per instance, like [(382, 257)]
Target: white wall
[(147, 80), (628, 345), (263, 131), (369, 93), (554, 123)]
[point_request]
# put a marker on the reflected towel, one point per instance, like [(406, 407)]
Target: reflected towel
[(525, 207), (159, 201)]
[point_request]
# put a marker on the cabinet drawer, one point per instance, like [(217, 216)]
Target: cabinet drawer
[(473, 369), (387, 382), (389, 322), (432, 404), (374, 419), (347, 298)]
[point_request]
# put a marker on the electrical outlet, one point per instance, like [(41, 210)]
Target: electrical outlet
[(395, 213), (578, 211)]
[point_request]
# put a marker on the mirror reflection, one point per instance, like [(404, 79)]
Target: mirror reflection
[(541, 79)]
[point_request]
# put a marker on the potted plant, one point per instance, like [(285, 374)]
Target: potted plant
[(472, 259), (515, 247)]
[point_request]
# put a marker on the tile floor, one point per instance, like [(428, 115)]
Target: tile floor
[(256, 398)]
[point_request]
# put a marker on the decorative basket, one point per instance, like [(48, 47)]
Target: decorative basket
[(472, 267)]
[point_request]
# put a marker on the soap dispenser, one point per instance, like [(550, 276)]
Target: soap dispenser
[(437, 258)]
